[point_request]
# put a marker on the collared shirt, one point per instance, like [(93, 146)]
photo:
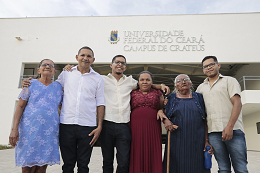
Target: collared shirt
[(218, 102), (82, 94), (117, 98)]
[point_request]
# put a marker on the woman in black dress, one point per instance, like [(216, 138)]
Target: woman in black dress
[(187, 143)]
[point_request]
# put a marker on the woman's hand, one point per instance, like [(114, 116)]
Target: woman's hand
[(211, 148), (68, 67), (165, 101), (161, 115), (169, 126), (14, 137)]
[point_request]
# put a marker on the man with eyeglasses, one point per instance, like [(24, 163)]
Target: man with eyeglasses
[(225, 127), (116, 130)]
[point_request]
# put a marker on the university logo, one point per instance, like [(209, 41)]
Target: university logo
[(113, 37)]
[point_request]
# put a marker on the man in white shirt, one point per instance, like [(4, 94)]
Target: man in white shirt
[(83, 105), (116, 131)]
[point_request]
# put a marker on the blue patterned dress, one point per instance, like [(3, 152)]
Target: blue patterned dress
[(38, 143)]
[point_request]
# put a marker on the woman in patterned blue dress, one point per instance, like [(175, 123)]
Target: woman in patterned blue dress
[(36, 122)]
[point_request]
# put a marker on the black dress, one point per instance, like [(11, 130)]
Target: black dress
[(187, 142)]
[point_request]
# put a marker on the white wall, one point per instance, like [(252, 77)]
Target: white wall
[(232, 37), (250, 70), (252, 138), (251, 97)]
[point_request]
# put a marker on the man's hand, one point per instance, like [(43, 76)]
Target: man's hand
[(14, 137), (161, 115), (165, 88), (26, 82), (169, 126), (96, 132), (227, 133), (68, 67)]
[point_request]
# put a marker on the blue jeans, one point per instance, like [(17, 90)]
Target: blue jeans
[(233, 151)]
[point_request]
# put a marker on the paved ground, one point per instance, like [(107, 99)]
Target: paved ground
[(7, 163)]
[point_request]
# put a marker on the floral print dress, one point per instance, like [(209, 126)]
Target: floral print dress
[(38, 143)]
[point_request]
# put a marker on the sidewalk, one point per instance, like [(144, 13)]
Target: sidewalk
[(7, 162)]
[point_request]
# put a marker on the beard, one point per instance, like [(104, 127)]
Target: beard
[(118, 73), (213, 74)]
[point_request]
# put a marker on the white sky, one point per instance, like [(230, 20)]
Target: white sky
[(58, 8)]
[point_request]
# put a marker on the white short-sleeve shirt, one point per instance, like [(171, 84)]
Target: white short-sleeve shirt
[(218, 103)]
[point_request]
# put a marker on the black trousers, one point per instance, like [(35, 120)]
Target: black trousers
[(115, 135), (74, 146)]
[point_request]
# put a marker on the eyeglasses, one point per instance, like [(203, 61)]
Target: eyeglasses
[(184, 79), (209, 65), (118, 62), (45, 65)]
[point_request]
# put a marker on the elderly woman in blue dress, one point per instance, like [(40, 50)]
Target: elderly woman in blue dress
[(186, 119), (36, 122)]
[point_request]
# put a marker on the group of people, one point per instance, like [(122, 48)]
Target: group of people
[(127, 114)]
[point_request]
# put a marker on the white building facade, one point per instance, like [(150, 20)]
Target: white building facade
[(170, 44)]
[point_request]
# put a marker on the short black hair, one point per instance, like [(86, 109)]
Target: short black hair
[(86, 47), (117, 57), (209, 57), (151, 75)]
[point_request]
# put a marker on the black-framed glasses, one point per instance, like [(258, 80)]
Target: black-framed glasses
[(118, 62), (209, 65), (184, 79), (45, 65)]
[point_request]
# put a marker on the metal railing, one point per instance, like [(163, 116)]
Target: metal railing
[(26, 77), (249, 82)]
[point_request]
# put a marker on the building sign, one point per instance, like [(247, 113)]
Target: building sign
[(113, 37), (173, 40)]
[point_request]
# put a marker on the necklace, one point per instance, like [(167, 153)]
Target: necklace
[(182, 97)]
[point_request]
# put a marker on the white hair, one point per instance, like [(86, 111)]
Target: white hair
[(175, 81)]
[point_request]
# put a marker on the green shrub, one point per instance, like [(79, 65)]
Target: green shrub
[(3, 147)]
